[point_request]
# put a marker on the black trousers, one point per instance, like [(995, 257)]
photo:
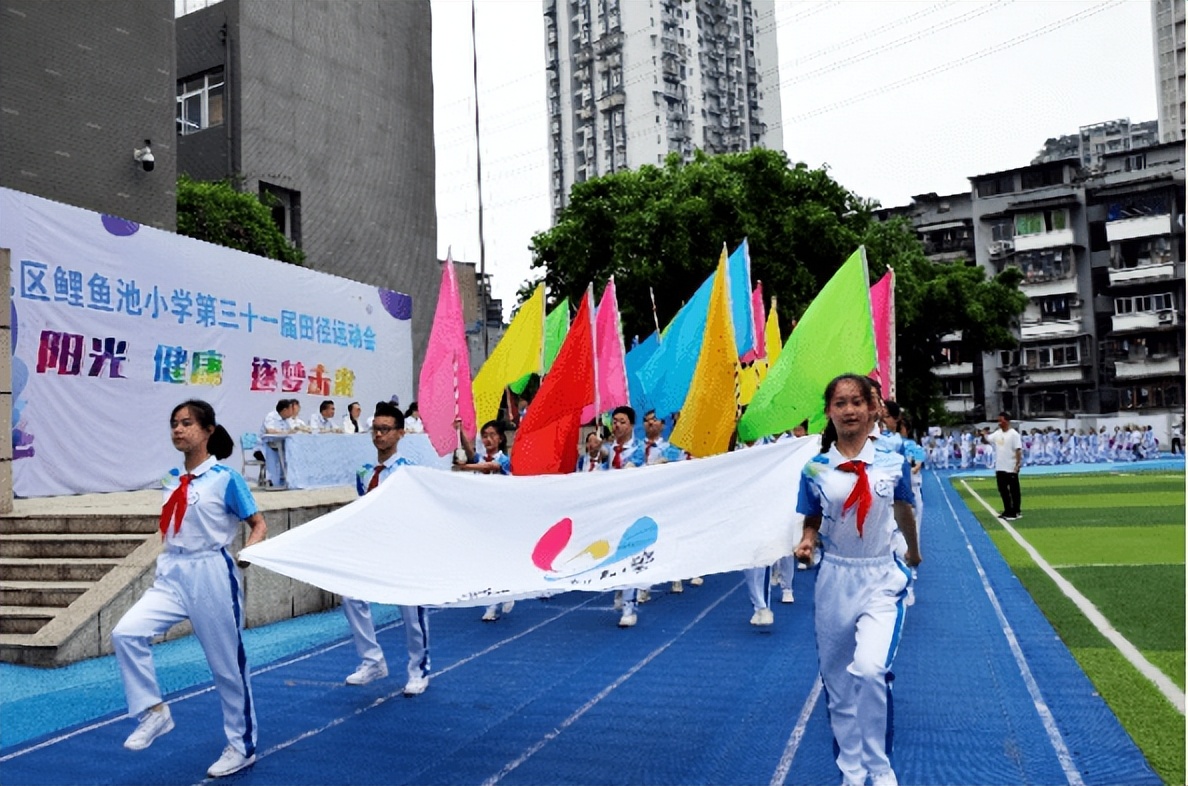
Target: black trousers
[(1008, 489)]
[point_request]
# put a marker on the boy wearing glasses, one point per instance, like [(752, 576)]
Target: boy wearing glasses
[(387, 427)]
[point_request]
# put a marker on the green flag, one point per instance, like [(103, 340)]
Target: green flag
[(835, 336), (556, 327)]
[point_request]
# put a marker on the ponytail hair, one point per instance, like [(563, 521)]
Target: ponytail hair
[(828, 436), (219, 444)]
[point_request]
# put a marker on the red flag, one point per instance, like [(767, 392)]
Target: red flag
[(547, 440)]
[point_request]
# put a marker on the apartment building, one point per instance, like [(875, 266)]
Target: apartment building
[(630, 81), (1167, 28), (326, 111), (1094, 141)]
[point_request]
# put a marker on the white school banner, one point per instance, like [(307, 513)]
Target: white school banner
[(430, 538), (114, 324)]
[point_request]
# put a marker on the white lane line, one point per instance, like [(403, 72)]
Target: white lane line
[(1071, 774), (1169, 689), (780, 776), (602, 694)]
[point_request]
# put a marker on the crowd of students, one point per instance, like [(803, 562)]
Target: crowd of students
[(1047, 446), (856, 502)]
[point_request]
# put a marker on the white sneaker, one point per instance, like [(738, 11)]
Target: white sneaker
[(152, 725), (368, 671), (697, 581), (507, 607), (884, 779), (628, 619), (491, 614), (758, 618), (787, 596), (768, 617), (231, 762), (416, 685), (678, 586)]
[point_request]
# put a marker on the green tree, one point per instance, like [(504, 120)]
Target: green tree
[(217, 213), (662, 229)]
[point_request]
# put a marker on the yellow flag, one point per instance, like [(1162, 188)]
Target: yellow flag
[(753, 375), (519, 352), (771, 337), (707, 418)]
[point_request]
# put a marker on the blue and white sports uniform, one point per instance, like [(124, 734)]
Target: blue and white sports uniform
[(860, 602), (197, 579), (499, 458), (358, 612)]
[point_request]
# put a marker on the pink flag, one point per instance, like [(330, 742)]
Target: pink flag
[(443, 391), (759, 350), (609, 364), (882, 309)]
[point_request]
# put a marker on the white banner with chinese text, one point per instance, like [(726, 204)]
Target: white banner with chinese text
[(427, 537), (113, 324)]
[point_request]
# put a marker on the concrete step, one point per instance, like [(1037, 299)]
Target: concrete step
[(78, 525), (25, 619), (40, 593), (59, 546), (56, 569)]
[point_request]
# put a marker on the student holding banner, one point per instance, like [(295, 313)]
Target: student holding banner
[(854, 498), (624, 452), (387, 428), (492, 461), (199, 580)]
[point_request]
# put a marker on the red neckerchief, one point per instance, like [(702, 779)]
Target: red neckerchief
[(860, 494), (175, 506)]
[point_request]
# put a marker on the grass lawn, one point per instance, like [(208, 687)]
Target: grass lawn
[(1119, 539)]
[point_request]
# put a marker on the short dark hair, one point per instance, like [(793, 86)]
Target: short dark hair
[(892, 407), (325, 405), (386, 409), (282, 405), (1004, 414), (625, 410)]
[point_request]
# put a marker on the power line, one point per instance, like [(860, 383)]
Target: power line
[(883, 89)]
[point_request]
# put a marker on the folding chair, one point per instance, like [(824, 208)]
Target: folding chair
[(249, 445)]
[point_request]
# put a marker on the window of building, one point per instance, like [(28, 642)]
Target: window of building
[(1044, 265), (285, 205), (1144, 304), (1050, 176), (1002, 230), (1136, 162), (1151, 394), (958, 388), (1054, 356), (1041, 221), (1003, 184), (1138, 206), (1055, 308), (200, 102)]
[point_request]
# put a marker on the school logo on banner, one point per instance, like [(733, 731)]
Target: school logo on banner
[(554, 555)]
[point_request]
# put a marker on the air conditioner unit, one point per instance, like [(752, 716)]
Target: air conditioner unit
[(1074, 302), (1001, 247), (1166, 317), (1000, 384)]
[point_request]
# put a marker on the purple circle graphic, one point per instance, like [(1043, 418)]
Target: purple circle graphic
[(120, 227), (397, 304)]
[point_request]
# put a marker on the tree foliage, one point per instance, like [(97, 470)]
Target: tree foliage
[(661, 229), (217, 213)]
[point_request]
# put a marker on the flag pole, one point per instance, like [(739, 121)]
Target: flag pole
[(655, 319), (478, 160)]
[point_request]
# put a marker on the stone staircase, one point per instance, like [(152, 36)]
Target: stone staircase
[(60, 579), (71, 566)]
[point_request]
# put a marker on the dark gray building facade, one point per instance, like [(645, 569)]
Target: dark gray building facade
[(326, 106), (83, 85)]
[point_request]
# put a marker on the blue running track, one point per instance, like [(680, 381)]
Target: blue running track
[(556, 693)]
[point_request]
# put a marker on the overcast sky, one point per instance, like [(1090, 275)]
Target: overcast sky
[(897, 98)]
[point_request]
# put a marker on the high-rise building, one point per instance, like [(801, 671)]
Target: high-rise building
[(631, 81), (1091, 142), (1167, 28)]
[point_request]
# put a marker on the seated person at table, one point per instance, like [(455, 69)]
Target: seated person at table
[(324, 420), (275, 423), (353, 422), (295, 422)]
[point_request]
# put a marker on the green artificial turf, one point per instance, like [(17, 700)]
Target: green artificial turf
[(1119, 539)]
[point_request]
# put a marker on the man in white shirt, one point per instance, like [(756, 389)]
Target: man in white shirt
[(275, 423), (1008, 460), (324, 419)]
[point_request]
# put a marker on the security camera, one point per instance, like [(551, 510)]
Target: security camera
[(144, 155)]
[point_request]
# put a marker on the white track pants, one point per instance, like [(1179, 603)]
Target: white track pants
[(859, 615), (206, 588), (758, 587), (416, 634)]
